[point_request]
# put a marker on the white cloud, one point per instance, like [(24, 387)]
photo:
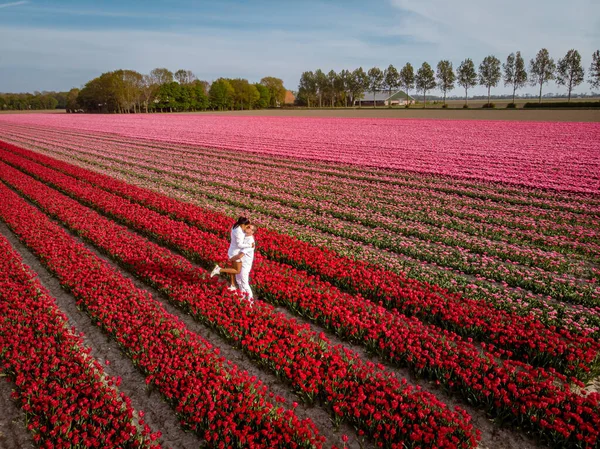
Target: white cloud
[(6, 5), (510, 25)]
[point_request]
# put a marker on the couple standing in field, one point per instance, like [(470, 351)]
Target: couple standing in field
[(241, 257)]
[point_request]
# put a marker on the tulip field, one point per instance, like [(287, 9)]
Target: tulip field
[(418, 283)]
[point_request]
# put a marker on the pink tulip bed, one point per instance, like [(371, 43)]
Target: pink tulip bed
[(460, 255)]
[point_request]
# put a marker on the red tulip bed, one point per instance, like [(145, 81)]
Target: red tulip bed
[(53, 372), (481, 278), (202, 388)]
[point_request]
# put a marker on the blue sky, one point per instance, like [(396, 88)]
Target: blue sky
[(56, 45)]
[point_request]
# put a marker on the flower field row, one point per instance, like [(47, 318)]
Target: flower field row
[(486, 150), (512, 391), (222, 404), (67, 398), (521, 334), (543, 281), (372, 399)]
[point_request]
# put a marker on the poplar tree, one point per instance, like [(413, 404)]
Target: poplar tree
[(445, 76), (515, 74), (541, 69), (466, 76), (425, 80), (375, 81), (407, 79), (569, 72), (489, 73), (595, 70)]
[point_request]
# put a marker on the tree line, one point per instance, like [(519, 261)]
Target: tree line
[(128, 91), (35, 101), (340, 89)]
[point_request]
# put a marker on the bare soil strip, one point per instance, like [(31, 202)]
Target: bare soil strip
[(527, 115), (13, 430)]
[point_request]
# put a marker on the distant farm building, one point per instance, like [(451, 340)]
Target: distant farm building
[(383, 98), (289, 97)]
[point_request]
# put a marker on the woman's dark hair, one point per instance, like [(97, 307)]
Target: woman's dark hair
[(241, 221)]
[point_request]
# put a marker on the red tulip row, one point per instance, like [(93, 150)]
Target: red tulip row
[(525, 336), (63, 391), (512, 391), (222, 404), (373, 400)]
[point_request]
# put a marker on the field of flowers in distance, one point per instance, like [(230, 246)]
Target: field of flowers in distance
[(421, 283)]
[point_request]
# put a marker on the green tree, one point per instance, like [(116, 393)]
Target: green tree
[(199, 97), (341, 87), (407, 79), (130, 90), (331, 84), (376, 78), (489, 73), (321, 83), (541, 69), (102, 94), (245, 94), (221, 94), (275, 86), (595, 70), (515, 74), (466, 76), (359, 84), (391, 80), (264, 96), (72, 104), (425, 80), (569, 71), (445, 76), (307, 88), (168, 96)]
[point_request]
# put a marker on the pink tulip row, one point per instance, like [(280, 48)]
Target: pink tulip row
[(40, 352), (215, 399), (371, 398), (498, 387), (510, 152), (562, 350), (572, 318)]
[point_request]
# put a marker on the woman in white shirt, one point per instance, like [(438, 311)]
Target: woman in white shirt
[(235, 247), (247, 258)]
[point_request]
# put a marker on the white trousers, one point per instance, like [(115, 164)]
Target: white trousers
[(243, 279)]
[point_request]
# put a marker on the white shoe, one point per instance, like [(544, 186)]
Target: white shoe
[(216, 270), (231, 288)]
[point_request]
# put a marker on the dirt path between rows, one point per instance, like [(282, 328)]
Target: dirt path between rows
[(13, 431), (476, 113)]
